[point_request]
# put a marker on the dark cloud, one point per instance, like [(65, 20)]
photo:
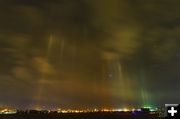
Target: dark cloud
[(88, 53)]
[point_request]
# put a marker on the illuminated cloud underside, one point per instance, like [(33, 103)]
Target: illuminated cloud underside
[(89, 53)]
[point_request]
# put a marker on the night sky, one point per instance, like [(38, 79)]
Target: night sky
[(89, 53)]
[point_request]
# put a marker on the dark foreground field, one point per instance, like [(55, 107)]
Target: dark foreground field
[(80, 116)]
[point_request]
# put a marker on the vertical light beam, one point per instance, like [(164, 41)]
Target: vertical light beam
[(50, 45)]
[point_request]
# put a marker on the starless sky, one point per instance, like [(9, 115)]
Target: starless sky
[(89, 53)]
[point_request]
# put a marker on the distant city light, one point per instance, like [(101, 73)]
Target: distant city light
[(127, 110), (8, 111)]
